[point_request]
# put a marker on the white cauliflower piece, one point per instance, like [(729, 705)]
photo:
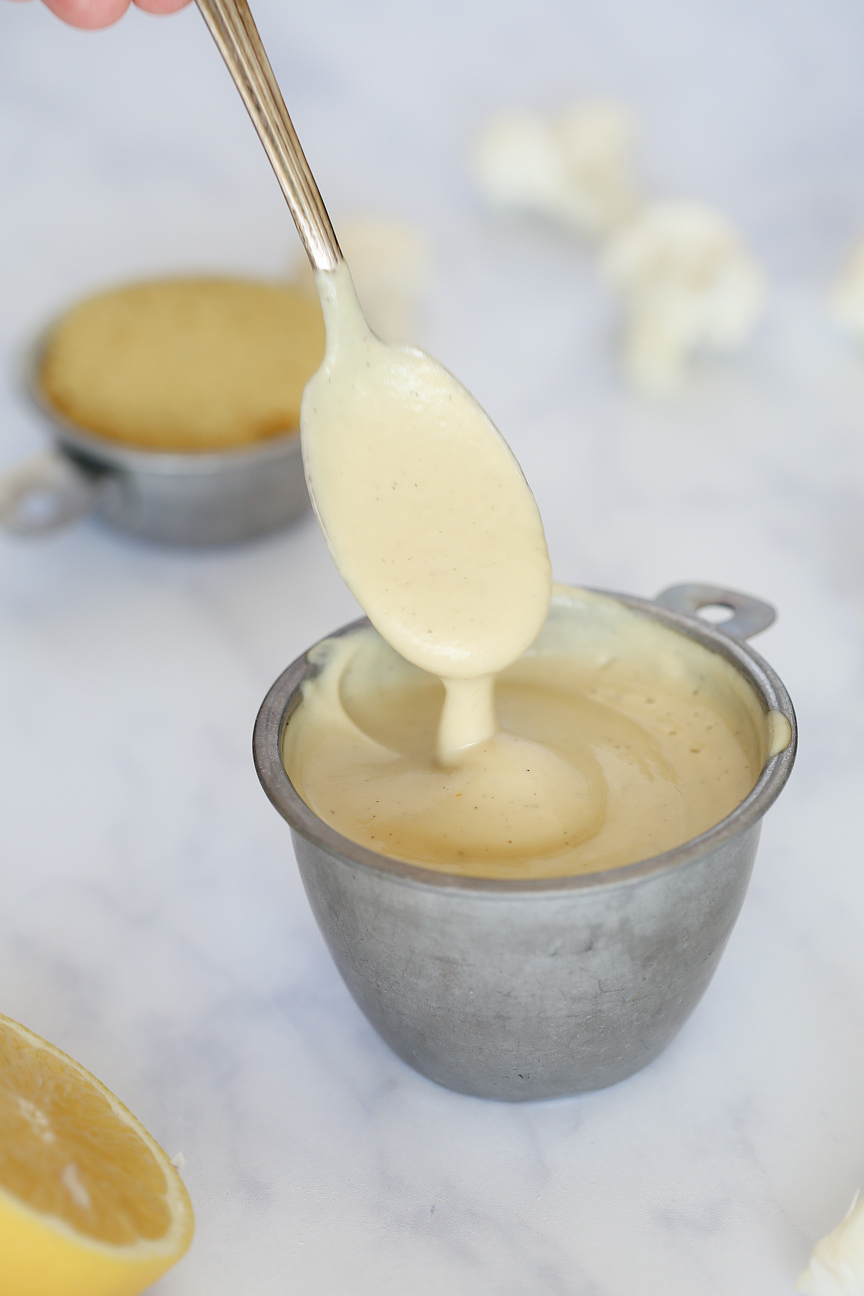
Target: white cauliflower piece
[(847, 295), (390, 264), (688, 285), (575, 167), (837, 1264)]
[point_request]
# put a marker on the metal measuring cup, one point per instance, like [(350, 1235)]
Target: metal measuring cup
[(520, 989), (195, 498)]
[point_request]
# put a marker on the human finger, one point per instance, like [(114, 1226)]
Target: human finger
[(88, 13), (161, 6)]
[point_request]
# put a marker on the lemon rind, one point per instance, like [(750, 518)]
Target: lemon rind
[(176, 1240)]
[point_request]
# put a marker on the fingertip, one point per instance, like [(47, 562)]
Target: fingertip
[(88, 14), (161, 6)]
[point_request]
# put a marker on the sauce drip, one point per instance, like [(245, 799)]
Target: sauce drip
[(619, 739), (615, 738)]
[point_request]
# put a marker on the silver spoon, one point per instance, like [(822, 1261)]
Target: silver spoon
[(234, 31), (374, 414)]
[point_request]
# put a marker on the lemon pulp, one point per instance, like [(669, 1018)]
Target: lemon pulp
[(90, 1205)]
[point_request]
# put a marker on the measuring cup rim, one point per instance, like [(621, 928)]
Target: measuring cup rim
[(285, 695)]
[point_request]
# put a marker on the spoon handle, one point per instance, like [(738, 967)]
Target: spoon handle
[(234, 31)]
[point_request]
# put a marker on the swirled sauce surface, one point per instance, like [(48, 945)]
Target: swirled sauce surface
[(617, 739)]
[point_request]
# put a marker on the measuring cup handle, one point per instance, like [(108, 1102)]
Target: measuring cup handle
[(750, 616), (45, 494)]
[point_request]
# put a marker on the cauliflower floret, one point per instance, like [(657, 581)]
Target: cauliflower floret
[(574, 167), (837, 1264), (847, 296), (390, 264), (688, 284)]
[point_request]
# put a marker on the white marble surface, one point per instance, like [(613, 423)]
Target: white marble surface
[(151, 920)]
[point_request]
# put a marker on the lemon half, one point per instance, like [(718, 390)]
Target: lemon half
[(90, 1205)]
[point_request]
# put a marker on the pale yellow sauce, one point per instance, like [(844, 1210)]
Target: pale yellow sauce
[(618, 739), (425, 511), (445, 739), (779, 733), (184, 366)]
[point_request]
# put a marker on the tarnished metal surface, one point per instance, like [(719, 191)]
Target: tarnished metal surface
[(530, 989), (184, 499)]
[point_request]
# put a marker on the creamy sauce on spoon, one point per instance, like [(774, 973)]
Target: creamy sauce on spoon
[(426, 513)]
